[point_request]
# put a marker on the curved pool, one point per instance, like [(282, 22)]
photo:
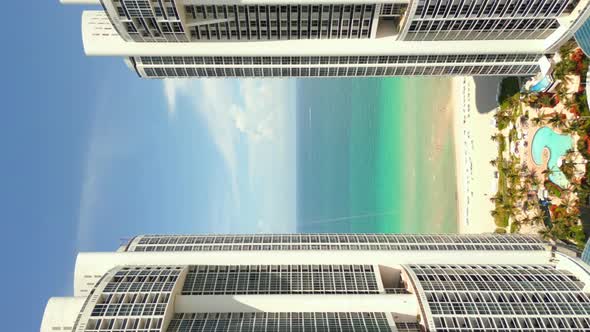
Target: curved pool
[(557, 144), (542, 85)]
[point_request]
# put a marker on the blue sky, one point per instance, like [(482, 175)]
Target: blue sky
[(91, 155)]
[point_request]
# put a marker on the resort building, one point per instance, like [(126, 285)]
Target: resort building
[(329, 38), (586, 253), (583, 37), (326, 282)]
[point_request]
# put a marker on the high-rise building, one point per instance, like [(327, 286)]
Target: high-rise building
[(326, 282), (329, 38), (583, 37), (586, 253)]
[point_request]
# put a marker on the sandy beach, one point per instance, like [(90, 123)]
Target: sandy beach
[(474, 102)]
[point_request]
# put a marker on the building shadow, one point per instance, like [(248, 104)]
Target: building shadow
[(585, 217), (486, 91)]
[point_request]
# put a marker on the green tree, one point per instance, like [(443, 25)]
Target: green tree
[(538, 219), (558, 121), (548, 172), (533, 178), (563, 68), (569, 169), (545, 100), (566, 49), (497, 198), (567, 102), (538, 120), (522, 191), (546, 234), (562, 93), (500, 230), (577, 234), (559, 229)]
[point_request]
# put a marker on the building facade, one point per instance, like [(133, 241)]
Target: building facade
[(583, 37), (326, 282), (329, 38), (586, 253)]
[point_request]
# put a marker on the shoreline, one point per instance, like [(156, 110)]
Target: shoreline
[(474, 149)]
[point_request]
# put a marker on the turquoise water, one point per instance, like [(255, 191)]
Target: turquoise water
[(541, 85), (375, 155), (557, 145)]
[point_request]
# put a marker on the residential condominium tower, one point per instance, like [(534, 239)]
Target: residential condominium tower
[(326, 282), (329, 38)]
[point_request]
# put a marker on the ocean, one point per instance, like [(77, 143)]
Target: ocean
[(375, 155)]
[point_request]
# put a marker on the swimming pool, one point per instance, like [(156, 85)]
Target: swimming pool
[(542, 85), (557, 145)]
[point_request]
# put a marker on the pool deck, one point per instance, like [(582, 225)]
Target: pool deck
[(522, 148), (527, 154), (573, 82)]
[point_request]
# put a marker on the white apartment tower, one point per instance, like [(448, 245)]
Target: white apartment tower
[(326, 282), (329, 38)]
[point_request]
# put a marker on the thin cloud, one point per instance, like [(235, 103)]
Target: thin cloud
[(246, 114), (103, 149)]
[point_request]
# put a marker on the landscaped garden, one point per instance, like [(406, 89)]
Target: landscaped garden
[(544, 194)]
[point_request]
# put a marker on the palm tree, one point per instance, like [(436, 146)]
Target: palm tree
[(548, 172), (526, 220), (566, 192), (574, 187), (546, 234), (522, 191), (571, 157), (539, 120), (562, 93), (505, 168), (571, 219), (566, 49), (565, 78), (510, 209), (524, 121), (494, 137), (569, 202), (559, 229), (558, 121), (545, 100), (514, 102), (497, 198), (515, 225), (533, 178), (568, 102), (512, 175), (563, 206), (538, 219), (569, 169), (532, 99)]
